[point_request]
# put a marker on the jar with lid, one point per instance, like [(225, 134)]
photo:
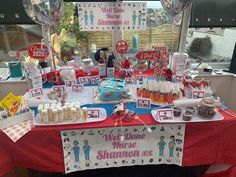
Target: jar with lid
[(55, 115), (141, 66), (44, 115), (102, 64), (87, 65), (73, 114), (68, 73), (60, 114)]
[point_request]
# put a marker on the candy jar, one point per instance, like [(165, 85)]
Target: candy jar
[(125, 70), (141, 66), (67, 73), (87, 65)]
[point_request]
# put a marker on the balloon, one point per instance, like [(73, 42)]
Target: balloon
[(44, 12), (174, 7)]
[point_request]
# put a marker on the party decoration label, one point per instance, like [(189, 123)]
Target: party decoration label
[(69, 83), (148, 55), (95, 79), (130, 80), (102, 147), (165, 114), (121, 46), (93, 113), (109, 16), (77, 88), (57, 88), (198, 94), (84, 80), (36, 92), (141, 79), (143, 103), (38, 51), (179, 78)]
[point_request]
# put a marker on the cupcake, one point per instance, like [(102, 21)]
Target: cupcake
[(177, 111), (187, 116), (191, 109)]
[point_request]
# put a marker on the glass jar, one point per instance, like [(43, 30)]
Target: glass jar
[(67, 73), (87, 65), (141, 66), (124, 73)]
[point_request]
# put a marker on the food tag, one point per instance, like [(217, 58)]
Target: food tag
[(95, 79), (84, 80), (165, 114), (141, 79), (198, 94), (77, 88), (179, 78), (143, 103), (93, 113), (69, 83), (58, 88), (130, 80), (37, 92)]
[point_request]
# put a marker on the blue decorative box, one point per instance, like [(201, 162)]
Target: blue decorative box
[(111, 89)]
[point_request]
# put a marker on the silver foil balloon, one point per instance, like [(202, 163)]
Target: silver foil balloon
[(174, 7), (44, 12)]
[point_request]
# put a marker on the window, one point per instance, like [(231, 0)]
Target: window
[(159, 31), (213, 46), (17, 37)]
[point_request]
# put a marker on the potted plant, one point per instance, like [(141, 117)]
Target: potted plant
[(68, 47)]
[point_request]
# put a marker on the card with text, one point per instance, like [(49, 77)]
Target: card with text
[(95, 79), (84, 80), (198, 94), (165, 114), (36, 92), (93, 113), (141, 79), (69, 83), (143, 103), (130, 80), (58, 88), (77, 88)]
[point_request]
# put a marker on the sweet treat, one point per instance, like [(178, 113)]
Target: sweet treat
[(113, 90), (206, 108), (55, 113), (177, 111), (159, 91), (125, 68), (187, 116), (197, 85), (191, 109)]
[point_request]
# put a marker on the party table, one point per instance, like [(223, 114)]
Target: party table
[(41, 148)]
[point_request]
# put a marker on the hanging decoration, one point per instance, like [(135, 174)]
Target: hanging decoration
[(46, 13), (174, 7)]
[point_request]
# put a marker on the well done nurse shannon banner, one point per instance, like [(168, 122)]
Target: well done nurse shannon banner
[(102, 148), (108, 16)]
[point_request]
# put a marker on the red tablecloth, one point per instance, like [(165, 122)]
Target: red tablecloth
[(41, 148)]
